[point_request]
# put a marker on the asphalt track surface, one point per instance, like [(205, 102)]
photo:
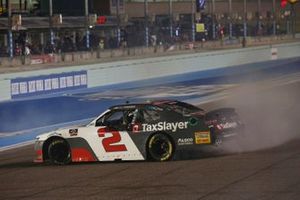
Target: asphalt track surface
[(265, 164)]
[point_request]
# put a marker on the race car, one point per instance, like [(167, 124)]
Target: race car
[(154, 130)]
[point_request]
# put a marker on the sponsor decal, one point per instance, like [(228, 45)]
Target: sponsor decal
[(73, 132), (135, 128), (40, 59), (185, 141), (39, 156), (274, 54), (165, 126), (229, 125), (211, 122), (82, 155), (193, 121), (111, 143), (202, 137)]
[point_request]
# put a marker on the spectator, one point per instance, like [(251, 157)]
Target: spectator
[(27, 50), (101, 44), (18, 50), (153, 40)]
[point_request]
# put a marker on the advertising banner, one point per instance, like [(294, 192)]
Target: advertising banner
[(47, 84), (41, 59)]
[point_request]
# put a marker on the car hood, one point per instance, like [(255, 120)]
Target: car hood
[(61, 132)]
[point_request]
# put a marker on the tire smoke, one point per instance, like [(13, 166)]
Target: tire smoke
[(271, 115)]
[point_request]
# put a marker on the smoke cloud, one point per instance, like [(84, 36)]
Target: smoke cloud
[(271, 115)]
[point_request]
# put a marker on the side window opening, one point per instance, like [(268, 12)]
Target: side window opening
[(118, 119), (122, 119), (151, 115), (110, 119)]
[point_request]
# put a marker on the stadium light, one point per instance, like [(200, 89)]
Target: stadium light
[(293, 1)]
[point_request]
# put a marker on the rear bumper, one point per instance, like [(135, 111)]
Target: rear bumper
[(229, 134), (38, 148), (39, 157)]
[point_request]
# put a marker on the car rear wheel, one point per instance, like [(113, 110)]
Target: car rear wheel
[(59, 152), (160, 147)]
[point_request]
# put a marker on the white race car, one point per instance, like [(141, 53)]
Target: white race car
[(155, 131)]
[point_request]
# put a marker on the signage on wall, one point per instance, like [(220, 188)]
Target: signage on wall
[(117, 6), (200, 5), (47, 84)]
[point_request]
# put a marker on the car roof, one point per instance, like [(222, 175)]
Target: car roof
[(158, 103)]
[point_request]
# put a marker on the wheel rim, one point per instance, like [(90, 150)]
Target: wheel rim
[(59, 153), (160, 148)]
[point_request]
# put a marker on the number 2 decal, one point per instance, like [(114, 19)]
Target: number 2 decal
[(109, 143)]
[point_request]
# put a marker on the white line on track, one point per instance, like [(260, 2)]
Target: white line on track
[(15, 146)]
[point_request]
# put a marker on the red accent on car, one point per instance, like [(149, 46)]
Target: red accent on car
[(39, 156), (101, 132), (211, 122), (220, 127), (110, 143), (82, 155)]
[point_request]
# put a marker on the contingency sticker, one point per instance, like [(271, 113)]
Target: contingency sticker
[(73, 132), (202, 137)]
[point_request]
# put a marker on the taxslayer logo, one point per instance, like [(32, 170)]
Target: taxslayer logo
[(165, 126)]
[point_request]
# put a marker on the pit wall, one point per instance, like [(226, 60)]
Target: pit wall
[(51, 81)]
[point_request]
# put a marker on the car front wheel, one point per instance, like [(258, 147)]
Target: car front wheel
[(59, 152)]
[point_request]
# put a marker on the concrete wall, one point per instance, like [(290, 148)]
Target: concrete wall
[(141, 69), (126, 71), (5, 89)]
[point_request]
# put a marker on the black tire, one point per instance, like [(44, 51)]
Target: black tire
[(59, 152), (160, 147)]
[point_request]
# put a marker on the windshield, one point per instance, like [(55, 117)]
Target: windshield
[(93, 120)]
